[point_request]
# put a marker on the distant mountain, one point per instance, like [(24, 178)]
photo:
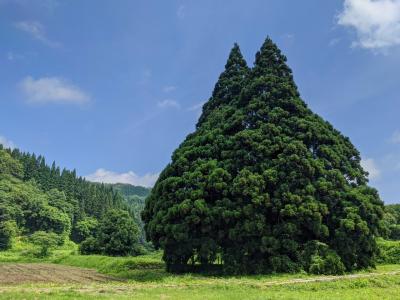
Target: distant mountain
[(129, 190)]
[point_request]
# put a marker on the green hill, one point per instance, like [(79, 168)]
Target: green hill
[(36, 197)]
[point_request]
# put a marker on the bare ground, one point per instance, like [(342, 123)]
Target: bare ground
[(18, 273)]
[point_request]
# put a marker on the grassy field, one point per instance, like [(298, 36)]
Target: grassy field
[(143, 277), (380, 285)]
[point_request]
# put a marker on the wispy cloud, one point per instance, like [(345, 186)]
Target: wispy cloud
[(48, 5), (196, 107), (181, 12), (37, 31), (377, 22), (7, 143), (105, 176), (145, 77), (169, 88), (395, 139), (371, 167), (52, 90), (11, 56), (167, 103), (334, 42)]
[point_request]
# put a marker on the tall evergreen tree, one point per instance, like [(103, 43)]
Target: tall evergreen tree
[(185, 198), (229, 84), (264, 182)]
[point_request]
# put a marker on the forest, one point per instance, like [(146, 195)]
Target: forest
[(47, 205)]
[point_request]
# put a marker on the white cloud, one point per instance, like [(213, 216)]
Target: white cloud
[(181, 12), (196, 107), (168, 103), (11, 56), (395, 139), (145, 77), (37, 31), (377, 22), (334, 42), (169, 88), (7, 143), (105, 176), (52, 90), (371, 167)]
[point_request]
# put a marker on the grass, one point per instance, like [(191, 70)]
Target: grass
[(380, 287), (26, 252), (143, 277)]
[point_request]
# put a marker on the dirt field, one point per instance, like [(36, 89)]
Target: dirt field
[(11, 274)]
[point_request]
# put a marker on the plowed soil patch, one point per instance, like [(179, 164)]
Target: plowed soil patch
[(11, 273)]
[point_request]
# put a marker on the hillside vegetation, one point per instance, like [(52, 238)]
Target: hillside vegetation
[(135, 197), (48, 206)]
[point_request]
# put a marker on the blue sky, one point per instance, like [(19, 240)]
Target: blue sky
[(111, 88)]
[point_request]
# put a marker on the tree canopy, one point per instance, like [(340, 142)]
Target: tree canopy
[(263, 184)]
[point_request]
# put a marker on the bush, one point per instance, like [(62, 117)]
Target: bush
[(46, 241), (90, 246), (394, 232), (117, 235), (84, 229), (389, 252), (319, 259), (7, 232)]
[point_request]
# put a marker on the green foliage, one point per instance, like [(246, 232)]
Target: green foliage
[(135, 198), (389, 252), (28, 206), (394, 232), (260, 178), (46, 241), (7, 232), (124, 267), (85, 228), (66, 191), (117, 235), (129, 190), (392, 221), (9, 166), (37, 197), (23, 250), (90, 246), (317, 258)]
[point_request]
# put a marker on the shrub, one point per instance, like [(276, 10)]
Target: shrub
[(389, 252), (117, 235), (84, 229), (46, 241), (319, 259), (394, 232), (7, 232), (90, 246)]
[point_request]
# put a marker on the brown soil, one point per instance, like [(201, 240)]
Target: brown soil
[(11, 273)]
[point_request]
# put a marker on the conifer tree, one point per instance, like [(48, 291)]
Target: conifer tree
[(264, 183)]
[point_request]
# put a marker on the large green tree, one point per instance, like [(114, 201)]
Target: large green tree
[(264, 184), (118, 234)]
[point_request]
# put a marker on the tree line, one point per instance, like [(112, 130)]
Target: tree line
[(42, 201)]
